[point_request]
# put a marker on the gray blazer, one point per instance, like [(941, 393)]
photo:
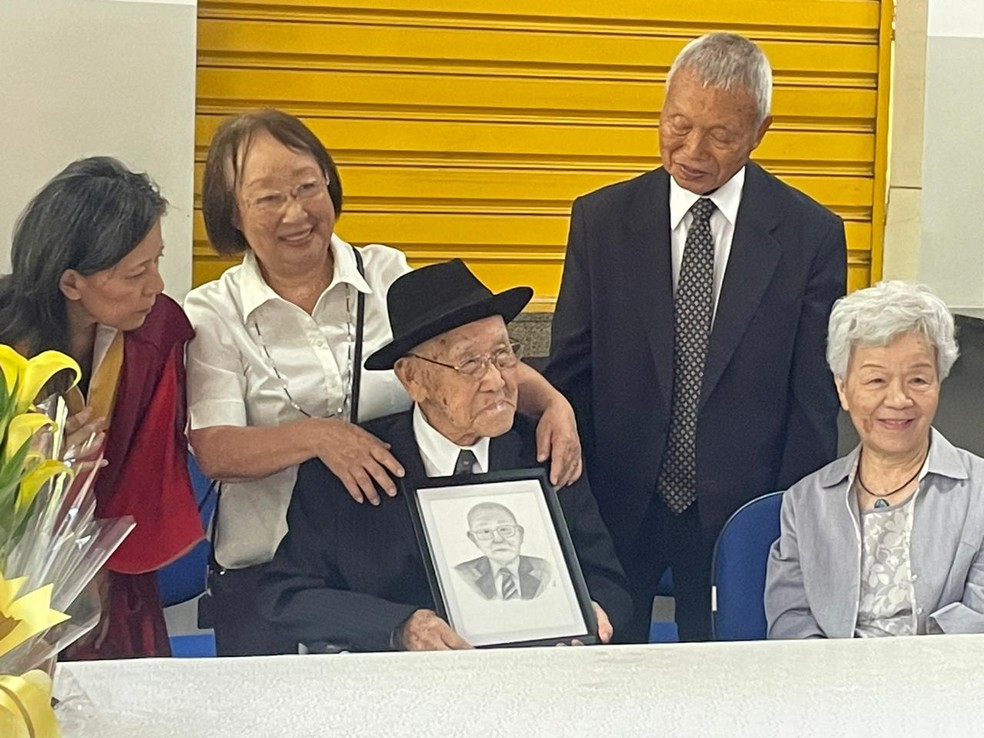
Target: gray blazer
[(814, 574)]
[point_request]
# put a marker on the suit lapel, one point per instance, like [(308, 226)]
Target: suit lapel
[(755, 254), (485, 583), (505, 451), (404, 447), (529, 582), (648, 273)]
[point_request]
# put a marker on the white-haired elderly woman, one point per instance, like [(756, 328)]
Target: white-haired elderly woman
[(888, 540)]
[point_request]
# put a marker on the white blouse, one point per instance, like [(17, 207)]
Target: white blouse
[(255, 356)]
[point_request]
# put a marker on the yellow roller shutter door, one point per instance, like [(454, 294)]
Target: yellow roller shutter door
[(467, 127)]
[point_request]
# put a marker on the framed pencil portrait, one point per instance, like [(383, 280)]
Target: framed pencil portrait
[(500, 560)]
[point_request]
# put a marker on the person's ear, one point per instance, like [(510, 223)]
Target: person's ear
[(70, 284), (471, 537), (760, 133), (842, 392), (409, 376)]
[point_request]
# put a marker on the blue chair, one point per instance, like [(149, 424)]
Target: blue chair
[(738, 569), (193, 645), (186, 578)]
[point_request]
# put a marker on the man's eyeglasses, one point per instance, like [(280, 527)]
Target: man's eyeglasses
[(504, 531), (270, 203), (476, 367)]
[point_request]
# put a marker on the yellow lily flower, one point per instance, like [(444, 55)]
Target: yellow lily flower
[(26, 616), (11, 363), (25, 707), (21, 430), (30, 375), (34, 480)]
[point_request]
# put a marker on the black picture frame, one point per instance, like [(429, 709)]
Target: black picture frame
[(556, 609)]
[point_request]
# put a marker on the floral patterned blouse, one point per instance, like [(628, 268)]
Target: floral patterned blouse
[(887, 596)]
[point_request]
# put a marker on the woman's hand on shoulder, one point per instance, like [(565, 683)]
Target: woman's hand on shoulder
[(359, 459), (557, 439)]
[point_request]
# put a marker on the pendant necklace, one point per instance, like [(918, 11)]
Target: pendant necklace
[(880, 501)]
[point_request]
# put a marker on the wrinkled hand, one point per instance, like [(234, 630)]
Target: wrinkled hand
[(357, 458), (605, 629), (84, 435), (425, 631), (557, 439)]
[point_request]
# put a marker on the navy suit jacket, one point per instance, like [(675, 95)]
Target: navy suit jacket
[(768, 408), (350, 574)]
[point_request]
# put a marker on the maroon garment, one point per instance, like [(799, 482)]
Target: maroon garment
[(136, 622), (147, 474), (146, 478)]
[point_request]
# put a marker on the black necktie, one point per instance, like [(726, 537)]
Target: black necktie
[(465, 463), (693, 309)]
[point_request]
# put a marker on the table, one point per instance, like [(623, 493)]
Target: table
[(915, 686)]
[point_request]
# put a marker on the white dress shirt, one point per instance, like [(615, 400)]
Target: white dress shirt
[(249, 342), (439, 454), (726, 199)]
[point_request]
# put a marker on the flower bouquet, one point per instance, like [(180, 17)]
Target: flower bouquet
[(51, 544)]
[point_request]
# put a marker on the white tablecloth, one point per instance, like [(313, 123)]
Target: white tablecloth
[(916, 686)]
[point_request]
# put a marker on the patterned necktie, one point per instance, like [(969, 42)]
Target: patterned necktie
[(509, 590), (465, 463), (693, 309)]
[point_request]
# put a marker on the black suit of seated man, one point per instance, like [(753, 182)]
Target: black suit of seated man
[(352, 574)]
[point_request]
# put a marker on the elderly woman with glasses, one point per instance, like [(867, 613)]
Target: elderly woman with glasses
[(275, 372), (888, 540)]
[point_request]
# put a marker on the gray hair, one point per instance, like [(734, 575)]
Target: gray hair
[(730, 62), (877, 315)]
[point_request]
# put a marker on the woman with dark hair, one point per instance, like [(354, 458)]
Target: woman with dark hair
[(275, 375), (85, 281)]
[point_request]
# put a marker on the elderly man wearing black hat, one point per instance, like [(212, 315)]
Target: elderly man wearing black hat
[(352, 574)]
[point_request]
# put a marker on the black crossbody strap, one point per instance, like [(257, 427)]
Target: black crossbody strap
[(360, 309)]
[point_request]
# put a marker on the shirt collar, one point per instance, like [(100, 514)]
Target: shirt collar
[(438, 453), (944, 459), (512, 567), (346, 269), (254, 290), (726, 199)]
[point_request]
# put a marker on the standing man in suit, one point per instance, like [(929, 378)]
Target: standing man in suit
[(690, 329), (352, 574), (501, 572)]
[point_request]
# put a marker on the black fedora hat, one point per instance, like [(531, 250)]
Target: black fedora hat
[(436, 299)]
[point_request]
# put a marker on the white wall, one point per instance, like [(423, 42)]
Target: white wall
[(951, 255), (85, 77), (959, 18)]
